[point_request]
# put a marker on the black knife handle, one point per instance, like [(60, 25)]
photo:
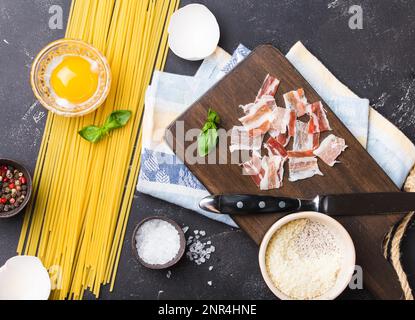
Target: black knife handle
[(248, 204)]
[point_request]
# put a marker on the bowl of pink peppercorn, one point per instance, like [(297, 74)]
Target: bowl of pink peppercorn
[(15, 188)]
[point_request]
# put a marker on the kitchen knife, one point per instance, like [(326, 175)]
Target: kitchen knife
[(353, 204)]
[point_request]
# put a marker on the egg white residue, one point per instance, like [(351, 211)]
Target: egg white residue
[(52, 66), (63, 102), (48, 74), (94, 65)]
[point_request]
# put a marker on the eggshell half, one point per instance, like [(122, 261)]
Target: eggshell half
[(24, 278), (193, 32)]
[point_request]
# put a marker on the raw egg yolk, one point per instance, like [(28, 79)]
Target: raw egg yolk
[(74, 79)]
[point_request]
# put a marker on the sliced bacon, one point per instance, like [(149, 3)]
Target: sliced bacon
[(253, 168), (273, 167), (259, 117), (279, 122), (304, 143), (245, 108), (266, 172), (258, 177), (269, 87), (302, 139), (283, 119), (282, 138), (296, 100), (318, 118), (275, 148), (303, 168), (316, 140), (330, 149), (264, 116), (300, 154), (241, 139), (268, 100), (261, 130), (291, 118)]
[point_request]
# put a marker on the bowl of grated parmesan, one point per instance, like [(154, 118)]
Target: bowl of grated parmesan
[(307, 256)]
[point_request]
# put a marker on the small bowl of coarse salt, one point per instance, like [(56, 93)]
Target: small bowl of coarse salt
[(307, 256), (158, 243)]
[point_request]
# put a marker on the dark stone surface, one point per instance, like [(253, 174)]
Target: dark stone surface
[(376, 62)]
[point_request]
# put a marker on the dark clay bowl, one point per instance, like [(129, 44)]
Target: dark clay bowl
[(171, 262), (14, 212)]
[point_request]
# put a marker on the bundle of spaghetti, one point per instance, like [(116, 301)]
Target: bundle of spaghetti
[(83, 192)]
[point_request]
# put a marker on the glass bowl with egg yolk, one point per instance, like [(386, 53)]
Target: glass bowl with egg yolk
[(70, 77)]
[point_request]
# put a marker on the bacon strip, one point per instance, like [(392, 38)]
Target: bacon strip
[(279, 122), (302, 139), (273, 167), (267, 172), (254, 169), (330, 149), (318, 118), (259, 116), (303, 168), (269, 100), (304, 143), (291, 118), (282, 138), (296, 100), (269, 87), (275, 148), (241, 139), (247, 107), (316, 140), (300, 154)]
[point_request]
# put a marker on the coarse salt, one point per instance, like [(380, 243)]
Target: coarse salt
[(303, 259), (198, 251), (157, 242)]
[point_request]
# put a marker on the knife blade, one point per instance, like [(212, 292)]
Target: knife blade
[(352, 204)]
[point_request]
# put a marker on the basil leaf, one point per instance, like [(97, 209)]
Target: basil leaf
[(213, 117), (207, 141), (208, 126), (208, 138), (92, 133), (117, 119), (202, 146)]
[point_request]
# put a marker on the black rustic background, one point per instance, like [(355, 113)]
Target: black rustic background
[(376, 62)]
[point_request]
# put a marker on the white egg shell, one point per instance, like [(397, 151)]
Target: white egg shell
[(193, 32), (24, 278)]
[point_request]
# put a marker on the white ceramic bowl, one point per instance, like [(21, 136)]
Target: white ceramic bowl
[(344, 241)]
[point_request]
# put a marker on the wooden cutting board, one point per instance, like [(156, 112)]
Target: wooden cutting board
[(357, 172)]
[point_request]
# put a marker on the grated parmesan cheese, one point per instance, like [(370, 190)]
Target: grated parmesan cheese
[(303, 259)]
